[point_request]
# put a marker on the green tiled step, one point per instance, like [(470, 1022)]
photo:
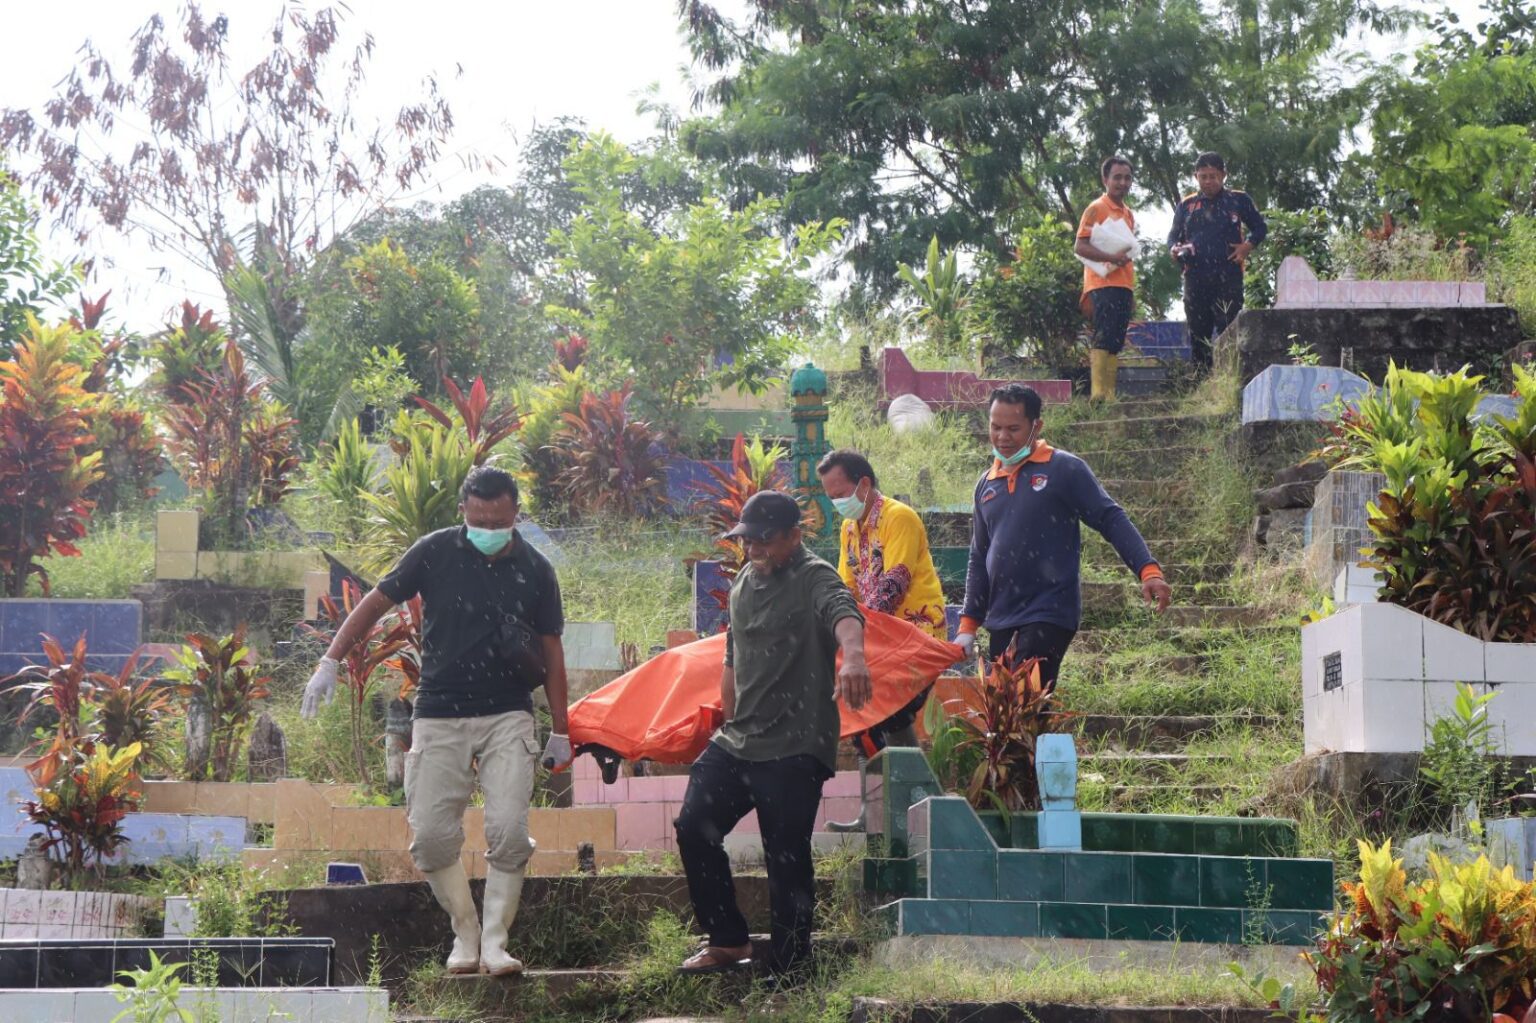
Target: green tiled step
[(988, 918), (1136, 879), (1157, 833)]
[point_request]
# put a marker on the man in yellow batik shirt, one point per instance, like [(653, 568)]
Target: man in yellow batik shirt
[(884, 559)]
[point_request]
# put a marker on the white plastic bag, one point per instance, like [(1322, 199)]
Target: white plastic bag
[(909, 413), (1112, 235)]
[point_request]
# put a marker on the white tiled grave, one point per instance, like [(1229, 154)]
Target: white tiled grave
[(1375, 677), (232, 1005)]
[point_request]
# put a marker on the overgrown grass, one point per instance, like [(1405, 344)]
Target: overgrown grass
[(117, 554), (632, 575), (1058, 977)]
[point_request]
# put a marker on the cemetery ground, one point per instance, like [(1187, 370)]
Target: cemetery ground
[(1223, 667)]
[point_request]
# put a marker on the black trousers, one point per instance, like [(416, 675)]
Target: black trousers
[(1036, 639), (722, 789), (1212, 299), (1111, 316)]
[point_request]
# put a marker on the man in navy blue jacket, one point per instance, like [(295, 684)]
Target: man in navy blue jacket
[(1214, 229), (1026, 540)]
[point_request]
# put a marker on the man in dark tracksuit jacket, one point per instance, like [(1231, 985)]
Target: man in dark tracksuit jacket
[(1208, 241), (1026, 540)]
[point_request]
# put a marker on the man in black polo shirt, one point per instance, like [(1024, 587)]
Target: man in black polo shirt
[(1214, 229), (491, 635)]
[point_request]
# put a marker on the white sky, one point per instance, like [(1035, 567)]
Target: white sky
[(523, 62)]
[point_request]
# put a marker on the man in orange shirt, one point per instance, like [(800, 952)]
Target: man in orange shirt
[(1111, 296)]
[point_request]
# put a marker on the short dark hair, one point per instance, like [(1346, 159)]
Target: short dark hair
[(1112, 162), (854, 465), (1018, 394), (1211, 160), (488, 483)]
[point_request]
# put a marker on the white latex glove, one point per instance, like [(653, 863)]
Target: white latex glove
[(557, 752), (321, 687), (966, 641)]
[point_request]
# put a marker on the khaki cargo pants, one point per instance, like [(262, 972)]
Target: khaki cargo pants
[(440, 777)]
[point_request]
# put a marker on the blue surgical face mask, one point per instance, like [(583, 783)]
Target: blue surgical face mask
[(1018, 456), (849, 507), (488, 541)]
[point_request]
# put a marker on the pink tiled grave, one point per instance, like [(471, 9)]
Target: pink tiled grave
[(645, 807), (1296, 286), (947, 389)]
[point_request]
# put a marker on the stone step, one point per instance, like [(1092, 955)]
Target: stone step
[(1185, 638), (1154, 665), (1140, 460), (1164, 732), (1170, 427), (1208, 615), (1152, 798)]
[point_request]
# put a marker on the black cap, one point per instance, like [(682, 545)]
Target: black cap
[(765, 512)]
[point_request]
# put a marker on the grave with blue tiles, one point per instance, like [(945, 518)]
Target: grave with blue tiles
[(1060, 873), (151, 836), (112, 631)]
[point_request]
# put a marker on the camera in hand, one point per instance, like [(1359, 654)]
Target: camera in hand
[(1184, 252)]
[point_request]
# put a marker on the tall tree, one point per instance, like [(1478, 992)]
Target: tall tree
[(708, 296), (1455, 139), (965, 121), (194, 155)]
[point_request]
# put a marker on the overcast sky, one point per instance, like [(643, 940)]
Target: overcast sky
[(523, 62)]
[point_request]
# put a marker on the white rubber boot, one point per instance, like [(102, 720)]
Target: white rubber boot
[(450, 886), (503, 891)]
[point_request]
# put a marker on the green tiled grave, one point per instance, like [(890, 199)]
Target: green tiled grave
[(1164, 880), (1139, 876), (1229, 881), (991, 918), (961, 874), (1031, 876), (1005, 919), (1073, 920), (1098, 877), (1299, 884), (1218, 926), (1142, 923)]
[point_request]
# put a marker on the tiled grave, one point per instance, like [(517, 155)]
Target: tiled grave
[(1135, 877), (238, 1005), (242, 962), (1301, 393), (111, 629), (1375, 677)]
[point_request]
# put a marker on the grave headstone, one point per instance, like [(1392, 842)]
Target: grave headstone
[(268, 753), (1300, 393), (709, 616)]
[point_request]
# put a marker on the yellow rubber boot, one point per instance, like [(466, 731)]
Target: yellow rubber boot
[(1096, 357), (1111, 363)]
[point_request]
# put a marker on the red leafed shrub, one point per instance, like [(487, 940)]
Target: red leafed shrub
[(44, 479), (613, 462), (220, 684), (571, 352), (753, 468), (484, 429), (230, 442)]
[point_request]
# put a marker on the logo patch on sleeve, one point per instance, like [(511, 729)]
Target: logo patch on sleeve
[(1038, 481)]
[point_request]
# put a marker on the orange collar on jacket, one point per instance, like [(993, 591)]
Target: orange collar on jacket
[(1042, 453)]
